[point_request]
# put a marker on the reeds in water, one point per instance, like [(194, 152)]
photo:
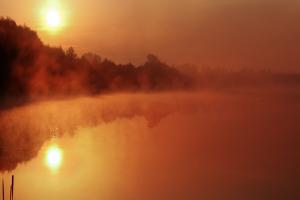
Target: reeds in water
[(11, 193)]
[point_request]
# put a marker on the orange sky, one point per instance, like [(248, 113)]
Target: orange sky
[(258, 34)]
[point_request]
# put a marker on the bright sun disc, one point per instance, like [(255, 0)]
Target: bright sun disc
[(54, 157), (53, 18)]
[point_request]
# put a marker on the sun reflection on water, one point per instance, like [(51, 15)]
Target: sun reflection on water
[(53, 157)]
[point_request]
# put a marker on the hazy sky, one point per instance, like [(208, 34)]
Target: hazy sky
[(256, 33)]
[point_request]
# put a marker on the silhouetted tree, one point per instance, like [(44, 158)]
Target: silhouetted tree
[(70, 53)]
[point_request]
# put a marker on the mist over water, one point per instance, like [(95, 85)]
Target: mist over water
[(153, 131), (193, 145)]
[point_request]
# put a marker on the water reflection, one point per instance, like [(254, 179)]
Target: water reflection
[(202, 146), (53, 157)]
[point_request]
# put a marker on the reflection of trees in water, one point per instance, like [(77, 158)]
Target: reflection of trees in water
[(23, 130)]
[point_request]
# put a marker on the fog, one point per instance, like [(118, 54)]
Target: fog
[(180, 145), (153, 131)]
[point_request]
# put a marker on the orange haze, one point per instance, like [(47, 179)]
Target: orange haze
[(157, 146), (255, 34)]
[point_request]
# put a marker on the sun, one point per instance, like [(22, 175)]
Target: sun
[(53, 18), (54, 157)]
